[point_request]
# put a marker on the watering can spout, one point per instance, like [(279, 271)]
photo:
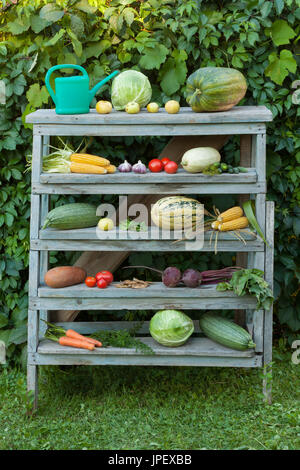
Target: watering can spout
[(94, 90)]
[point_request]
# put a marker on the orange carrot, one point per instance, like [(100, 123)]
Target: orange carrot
[(75, 335), (75, 343)]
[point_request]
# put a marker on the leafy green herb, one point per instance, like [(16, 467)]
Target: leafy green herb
[(122, 339), (250, 281), (133, 226)]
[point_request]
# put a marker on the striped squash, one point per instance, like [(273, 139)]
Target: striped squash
[(176, 212)]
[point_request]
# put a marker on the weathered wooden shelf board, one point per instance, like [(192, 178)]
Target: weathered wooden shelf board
[(238, 114), (181, 176), (157, 295), (149, 183), (91, 239), (149, 188), (193, 347)]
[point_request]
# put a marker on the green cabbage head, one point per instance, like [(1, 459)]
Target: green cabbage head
[(171, 327), (130, 86)]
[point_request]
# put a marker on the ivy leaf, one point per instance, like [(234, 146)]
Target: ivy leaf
[(38, 23), (279, 5), (94, 50), (51, 12), (77, 25), (85, 6), (55, 38), (281, 32), (3, 320), (173, 73), (279, 67), (77, 46), (19, 25), (19, 334), (19, 84), (37, 96), (128, 14), (152, 58)]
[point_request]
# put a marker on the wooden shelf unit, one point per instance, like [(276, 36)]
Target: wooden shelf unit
[(198, 351)]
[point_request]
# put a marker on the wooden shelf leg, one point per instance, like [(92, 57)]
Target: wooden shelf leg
[(268, 314)]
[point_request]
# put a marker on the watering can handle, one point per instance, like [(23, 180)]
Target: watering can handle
[(57, 67)]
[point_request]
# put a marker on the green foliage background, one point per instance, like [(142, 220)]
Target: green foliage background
[(166, 40)]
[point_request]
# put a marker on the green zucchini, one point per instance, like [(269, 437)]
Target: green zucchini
[(225, 332), (72, 216)]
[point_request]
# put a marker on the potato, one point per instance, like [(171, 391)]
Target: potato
[(64, 276)]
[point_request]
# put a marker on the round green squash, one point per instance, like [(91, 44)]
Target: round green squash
[(215, 89)]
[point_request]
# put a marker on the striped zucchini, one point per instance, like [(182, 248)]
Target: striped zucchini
[(176, 212), (72, 216), (225, 332)]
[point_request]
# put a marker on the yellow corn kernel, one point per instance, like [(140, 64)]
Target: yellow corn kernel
[(89, 159), (236, 224), (231, 214), (86, 168), (215, 225)]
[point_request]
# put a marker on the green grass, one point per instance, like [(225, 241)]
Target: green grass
[(152, 408)]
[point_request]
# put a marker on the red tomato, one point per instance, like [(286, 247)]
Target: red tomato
[(90, 281), (107, 275), (171, 167), (102, 284), (165, 161), (155, 165)]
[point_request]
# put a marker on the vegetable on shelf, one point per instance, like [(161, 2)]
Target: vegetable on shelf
[(155, 165), (105, 224), (70, 338), (130, 86), (72, 216), (225, 332), (139, 167), (103, 107), (171, 276), (106, 275), (230, 214), (219, 168), (171, 328), (236, 224), (123, 339), (215, 89), (64, 276), (90, 281), (172, 107), (176, 213), (152, 108), (125, 167), (133, 226), (197, 159), (132, 108), (251, 282), (171, 167)]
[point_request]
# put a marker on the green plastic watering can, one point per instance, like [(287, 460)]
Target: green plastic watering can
[(72, 94)]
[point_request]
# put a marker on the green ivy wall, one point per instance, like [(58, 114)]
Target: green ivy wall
[(166, 40)]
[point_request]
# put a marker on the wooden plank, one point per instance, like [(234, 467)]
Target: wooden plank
[(148, 188), (143, 360), (36, 158), (235, 115), (181, 176), (193, 347), (32, 381), (155, 289), (151, 130), (143, 245), (269, 274)]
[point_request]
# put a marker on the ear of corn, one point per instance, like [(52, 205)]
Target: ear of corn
[(215, 224), (236, 224), (86, 168), (231, 214), (110, 168), (89, 159)]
